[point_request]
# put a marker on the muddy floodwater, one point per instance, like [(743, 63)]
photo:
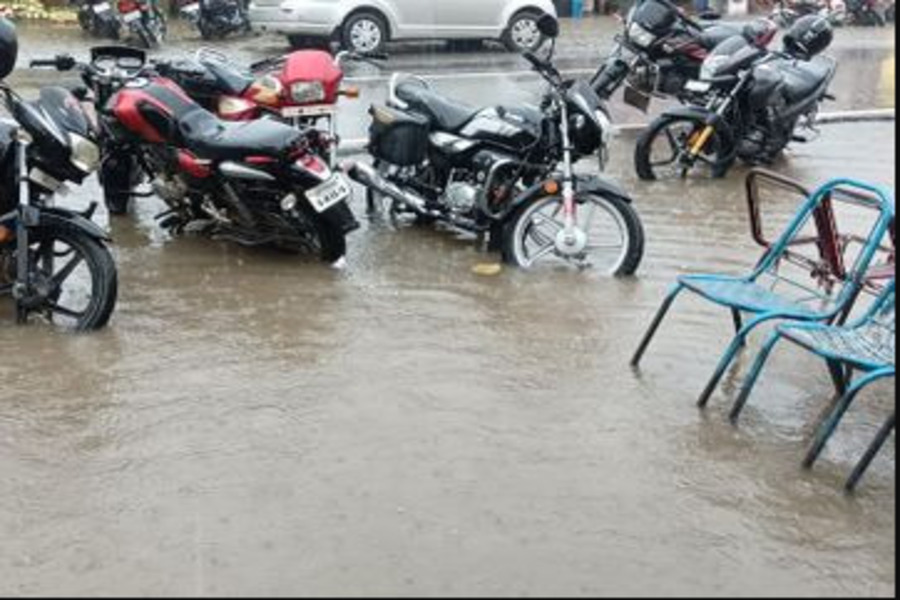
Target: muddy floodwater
[(255, 423)]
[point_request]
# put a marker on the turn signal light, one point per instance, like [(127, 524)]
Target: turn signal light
[(6, 234), (350, 92), (551, 188)]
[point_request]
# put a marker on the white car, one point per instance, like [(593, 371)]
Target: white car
[(367, 25)]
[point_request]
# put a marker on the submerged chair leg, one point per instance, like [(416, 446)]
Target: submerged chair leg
[(654, 327), (839, 375), (738, 320), (828, 427), (736, 344), (866, 461), (753, 377)]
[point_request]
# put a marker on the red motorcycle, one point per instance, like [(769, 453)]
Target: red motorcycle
[(255, 183), (145, 21), (301, 89)]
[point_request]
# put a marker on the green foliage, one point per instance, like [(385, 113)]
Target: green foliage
[(35, 9)]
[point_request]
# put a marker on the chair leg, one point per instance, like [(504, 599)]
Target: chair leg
[(864, 464), (736, 344), (753, 377), (738, 321), (654, 327), (830, 424), (839, 375)]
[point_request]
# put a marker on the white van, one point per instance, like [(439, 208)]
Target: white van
[(367, 25)]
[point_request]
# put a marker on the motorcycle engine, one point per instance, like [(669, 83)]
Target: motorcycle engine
[(171, 188), (461, 197)]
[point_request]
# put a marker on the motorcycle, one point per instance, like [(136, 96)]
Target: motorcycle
[(787, 12), (757, 103), (216, 18), (145, 21), (865, 13), (302, 89), (662, 49), (493, 172), (255, 183), (97, 18), (54, 262)]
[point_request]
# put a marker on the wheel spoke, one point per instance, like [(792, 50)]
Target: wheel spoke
[(541, 253), (62, 310), (59, 278)]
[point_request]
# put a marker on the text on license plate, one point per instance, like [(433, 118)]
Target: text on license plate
[(333, 191), (132, 16), (102, 8), (697, 86)]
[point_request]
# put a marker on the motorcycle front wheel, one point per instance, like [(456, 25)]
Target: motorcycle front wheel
[(323, 236), (74, 279), (663, 151), (608, 238)]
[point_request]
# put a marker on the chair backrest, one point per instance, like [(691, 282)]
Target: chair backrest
[(879, 326), (829, 277)]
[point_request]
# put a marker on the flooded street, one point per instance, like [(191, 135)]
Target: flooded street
[(254, 423)]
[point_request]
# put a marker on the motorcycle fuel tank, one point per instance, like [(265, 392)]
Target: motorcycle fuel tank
[(515, 128)]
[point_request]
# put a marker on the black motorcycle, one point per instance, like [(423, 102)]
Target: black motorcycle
[(98, 18), (662, 49), (758, 103), (494, 172), (217, 18), (865, 13), (53, 262)]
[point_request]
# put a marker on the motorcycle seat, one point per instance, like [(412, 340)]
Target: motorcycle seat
[(802, 79), (716, 34), (211, 138), (231, 82), (444, 114)]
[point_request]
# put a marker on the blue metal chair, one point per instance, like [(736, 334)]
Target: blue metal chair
[(831, 301), (868, 346)]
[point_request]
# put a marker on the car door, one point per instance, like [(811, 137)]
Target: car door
[(470, 18), (415, 18)]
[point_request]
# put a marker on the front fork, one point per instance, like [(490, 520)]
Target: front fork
[(698, 143), (28, 217), (568, 185)]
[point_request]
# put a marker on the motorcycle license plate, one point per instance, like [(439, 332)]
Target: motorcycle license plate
[(191, 9), (132, 16), (332, 192), (699, 87), (102, 8), (317, 110)]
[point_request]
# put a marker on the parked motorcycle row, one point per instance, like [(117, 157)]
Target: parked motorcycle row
[(863, 13), (140, 20), (246, 153)]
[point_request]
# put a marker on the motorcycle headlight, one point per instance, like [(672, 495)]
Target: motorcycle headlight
[(305, 92), (640, 36), (85, 154)]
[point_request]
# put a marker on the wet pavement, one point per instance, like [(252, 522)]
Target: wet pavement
[(256, 423)]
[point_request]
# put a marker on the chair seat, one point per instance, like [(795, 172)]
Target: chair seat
[(868, 347), (746, 296)]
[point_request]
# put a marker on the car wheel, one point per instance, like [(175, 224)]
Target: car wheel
[(523, 34), (364, 33)]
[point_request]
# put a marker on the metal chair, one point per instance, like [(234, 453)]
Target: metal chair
[(756, 294), (868, 346)]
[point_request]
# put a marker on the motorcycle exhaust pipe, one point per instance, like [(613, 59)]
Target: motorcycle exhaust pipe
[(369, 177)]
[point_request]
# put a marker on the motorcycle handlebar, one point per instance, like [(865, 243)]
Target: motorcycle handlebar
[(63, 62)]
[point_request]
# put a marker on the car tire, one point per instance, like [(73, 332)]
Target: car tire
[(516, 35), (364, 32)]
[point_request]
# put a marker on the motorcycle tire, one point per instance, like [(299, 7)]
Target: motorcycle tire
[(717, 157), (628, 261), (102, 269), (332, 242), (116, 179)]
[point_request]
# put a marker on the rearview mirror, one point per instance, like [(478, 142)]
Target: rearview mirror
[(548, 26)]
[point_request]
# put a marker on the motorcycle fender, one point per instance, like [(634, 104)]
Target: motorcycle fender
[(342, 217), (60, 217), (584, 185)]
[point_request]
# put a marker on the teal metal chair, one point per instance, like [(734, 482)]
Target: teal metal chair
[(867, 346), (761, 294)]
